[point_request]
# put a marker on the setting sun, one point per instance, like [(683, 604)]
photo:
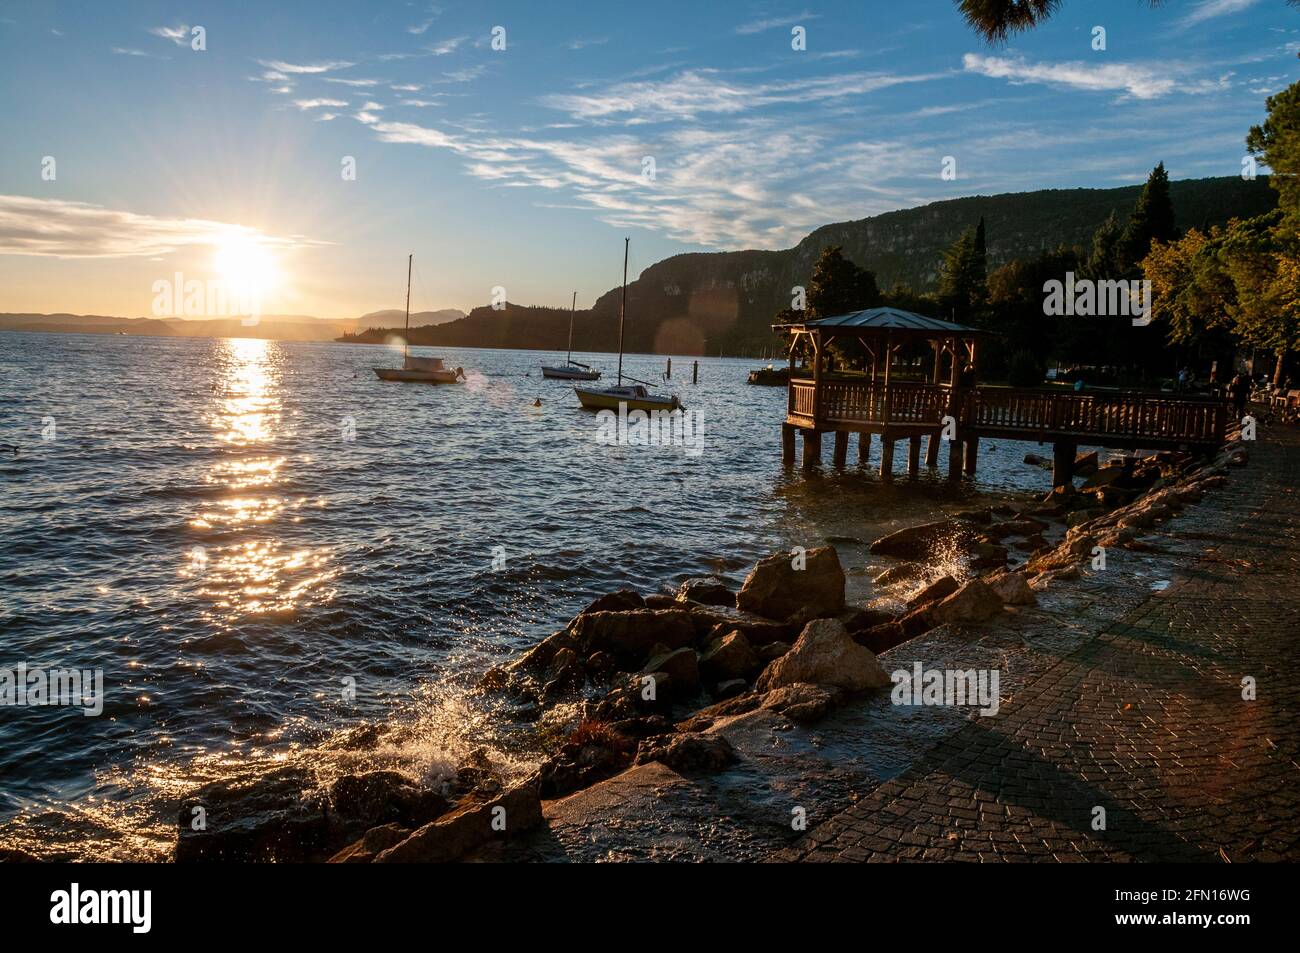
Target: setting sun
[(246, 264)]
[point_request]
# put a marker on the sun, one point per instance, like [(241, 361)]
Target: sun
[(246, 265)]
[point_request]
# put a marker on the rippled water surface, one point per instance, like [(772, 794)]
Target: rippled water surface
[(236, 531)]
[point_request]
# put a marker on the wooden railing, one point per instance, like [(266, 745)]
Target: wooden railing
[(1011, 412)]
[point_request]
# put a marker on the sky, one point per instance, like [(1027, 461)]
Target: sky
[(512, 146)]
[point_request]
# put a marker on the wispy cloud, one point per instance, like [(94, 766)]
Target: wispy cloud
[(352, 82), (420, 28), (305, 104), (131, 51), (1135, 80), (694, 92), (772, 23), (280, 66), (62, 229), (180, 35), (581, 44), (446, 46), (1210, 9)]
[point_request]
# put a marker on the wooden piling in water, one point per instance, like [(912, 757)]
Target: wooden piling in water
[(914, 457), (695, 373), (864, 446), (812, 449), (972, 453), (841, 451), (668, 372), (954, 459), (787, 443), (886, 458), (932, 450), (1063, 454)]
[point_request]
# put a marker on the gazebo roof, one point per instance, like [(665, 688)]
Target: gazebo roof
[(884, 319)]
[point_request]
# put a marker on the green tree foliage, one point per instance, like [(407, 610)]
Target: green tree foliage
[(1277, 142), (1103, 258), (1152, 220), (963, 277), (838, 286)]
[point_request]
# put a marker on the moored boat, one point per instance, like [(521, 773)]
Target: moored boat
[(571, 370), (417, 370)]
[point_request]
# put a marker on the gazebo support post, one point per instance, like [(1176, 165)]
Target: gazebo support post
[(932, 450), (787, 443), (914, 457), (841, 448), (864, 446), (886, 458), (972, 451), (812, 449)]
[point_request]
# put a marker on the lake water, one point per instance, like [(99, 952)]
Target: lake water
[(239, 532)]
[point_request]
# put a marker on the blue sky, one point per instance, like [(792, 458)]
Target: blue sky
[(523, 168)]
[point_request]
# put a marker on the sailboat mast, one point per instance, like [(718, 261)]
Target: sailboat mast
[(574, 307), (622, 313), (406, 336)]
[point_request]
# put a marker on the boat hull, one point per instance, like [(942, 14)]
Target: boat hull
[(602, 400), (415, 376), (570, 374)]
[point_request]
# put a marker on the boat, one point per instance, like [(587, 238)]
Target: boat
[(634, 396), (770, 376), (417, 370), (571, 369)]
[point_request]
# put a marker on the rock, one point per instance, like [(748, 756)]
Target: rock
[(379, 797), (941, 587), (703, 719), (595, 750), (803, 702), (918, 542), (728, 658), (730, 688), (1085, 464), (683, 668), (624, 600), (601, 663), (1012, 588), (706, 590), (1105, 476), (632, 634), (541, 655), (276, 816), (772, 651), (776, 590), (688, 753), (972, 604), (825, 654), (712, 622), (642, 727), (660, 601), (376, 839), (987, 556), (517, 809), (981, 517), (904, 573), (856, 618), (881, 638), (1034, 460)]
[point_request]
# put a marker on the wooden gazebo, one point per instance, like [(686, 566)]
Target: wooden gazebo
[(876, 400), (943, 402)]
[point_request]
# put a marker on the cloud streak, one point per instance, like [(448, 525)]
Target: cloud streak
[(1131, 79)]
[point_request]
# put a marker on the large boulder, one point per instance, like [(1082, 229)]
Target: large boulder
[(775, 589), (708, 590), (682, 666), (919, 542), (941, 588), (374, 841), (469, 826), (688, 753), (378, 797), (905, 572), (1012, 588), (730, 657), (825, 654), (713, 621), (972, 604), (632, 634), (803, 702), (623, 600), (279, 815)]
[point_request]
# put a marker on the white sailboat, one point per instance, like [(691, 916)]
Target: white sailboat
[(417, 370), (572, 370), (634, 396)]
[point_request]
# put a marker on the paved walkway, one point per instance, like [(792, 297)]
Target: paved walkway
[(1146, 721)]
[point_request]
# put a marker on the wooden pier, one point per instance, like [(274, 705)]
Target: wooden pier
[(948, 407)]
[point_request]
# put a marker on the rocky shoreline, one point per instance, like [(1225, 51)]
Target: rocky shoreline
[(634, 694)]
